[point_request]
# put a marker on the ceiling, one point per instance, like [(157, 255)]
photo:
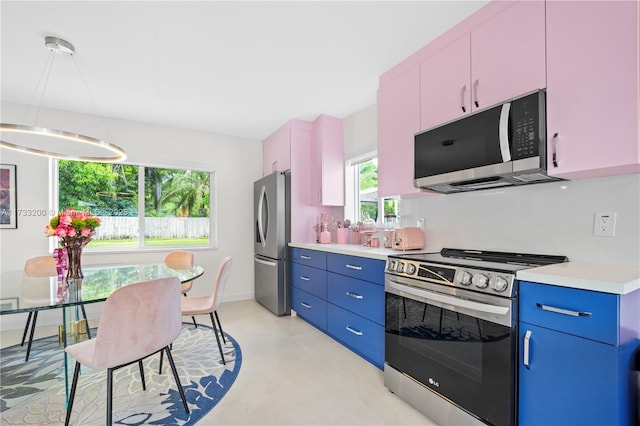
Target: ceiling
[(235, 68)]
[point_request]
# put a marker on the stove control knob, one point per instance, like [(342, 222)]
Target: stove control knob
[(410, 269), (498, 283), (464, 277), (392, 265), (400, 267), (480, 280)]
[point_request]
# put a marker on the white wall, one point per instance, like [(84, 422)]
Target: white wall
[(550, 218), (237, 164)]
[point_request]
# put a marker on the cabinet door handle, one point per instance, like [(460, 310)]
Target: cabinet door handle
[(354, 295), (475, 93), (306, 305), (563, 311), (462, 92), (303, 278), (356, 332), (305, 257), (527, 339), (357, 268), (554, 149)]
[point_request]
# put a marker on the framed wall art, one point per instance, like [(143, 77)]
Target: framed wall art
[(8, 210)]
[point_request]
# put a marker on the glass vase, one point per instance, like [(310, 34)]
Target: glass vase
[(74, 264)]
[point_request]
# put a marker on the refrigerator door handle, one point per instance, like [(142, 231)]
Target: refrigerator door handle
[(265, 262), (260, 224)]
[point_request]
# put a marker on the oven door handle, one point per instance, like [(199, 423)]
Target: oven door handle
[(453, 301)]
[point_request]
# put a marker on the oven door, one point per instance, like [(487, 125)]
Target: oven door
[(457, 343)]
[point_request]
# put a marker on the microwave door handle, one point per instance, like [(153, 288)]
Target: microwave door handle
[(505, 149)]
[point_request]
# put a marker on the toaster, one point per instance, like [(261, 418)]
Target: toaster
[(408, 239)]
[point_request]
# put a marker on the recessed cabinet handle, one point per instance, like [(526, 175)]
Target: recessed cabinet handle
[(357, 268), (527, 339), (305, 305), (305, 257), (475, 93), (554, 148), (354, 295), (462, 92), (303, 278), (563, 311), (274, 166), (356, 332)]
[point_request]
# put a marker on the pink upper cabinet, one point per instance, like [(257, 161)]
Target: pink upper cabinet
[(398, 121), (327, 162), (276, 151), (445, 90), (592, 88), (498, 59), (508, 54)]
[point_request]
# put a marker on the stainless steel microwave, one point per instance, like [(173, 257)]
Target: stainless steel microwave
[(503, 145)]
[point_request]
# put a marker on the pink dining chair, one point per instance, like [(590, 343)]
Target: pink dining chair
[(137, 321), (180, 259), (41, 267)]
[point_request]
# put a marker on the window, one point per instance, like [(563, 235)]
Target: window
[(362, 200), (139, 206)]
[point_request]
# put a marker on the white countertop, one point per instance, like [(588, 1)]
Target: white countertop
[(349, 249), (617, 279)]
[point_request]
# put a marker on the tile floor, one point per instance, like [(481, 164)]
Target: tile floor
[(292, 374)]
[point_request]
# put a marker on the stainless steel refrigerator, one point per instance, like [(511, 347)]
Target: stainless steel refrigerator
[(271, 212)]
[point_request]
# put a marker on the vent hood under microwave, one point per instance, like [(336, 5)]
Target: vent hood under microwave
[(503, 145)]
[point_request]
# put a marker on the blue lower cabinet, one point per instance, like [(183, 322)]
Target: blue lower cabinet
[(311, 280), (361, 297), (311, 308), (361, 335)]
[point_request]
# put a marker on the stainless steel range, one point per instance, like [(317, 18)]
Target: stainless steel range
[(451, 337)]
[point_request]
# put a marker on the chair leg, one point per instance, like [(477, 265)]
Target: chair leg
[(220, 327), (84, 314), (177, 379), (215, 330), (109, 395), (26, 328), (161, 357), (193, 317), (72, 393), (144, 385), (33, 329)]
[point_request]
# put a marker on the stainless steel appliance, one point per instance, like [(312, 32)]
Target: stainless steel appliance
[(451, 337), (271, 239), (503, 145)]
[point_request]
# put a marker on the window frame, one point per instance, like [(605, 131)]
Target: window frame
[(352, 188), (213, 209)]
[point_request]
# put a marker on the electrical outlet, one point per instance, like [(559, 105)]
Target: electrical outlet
[(604, 224)]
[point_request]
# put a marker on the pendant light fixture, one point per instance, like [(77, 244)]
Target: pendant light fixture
[(76, 147)]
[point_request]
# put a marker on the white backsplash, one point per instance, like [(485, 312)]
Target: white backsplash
[(549, 218)]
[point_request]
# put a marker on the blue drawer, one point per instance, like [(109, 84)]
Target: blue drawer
[(309, 307), (317, 259), (362, 268), (311, 280), (361, 297), (359, 334), (598, 318)]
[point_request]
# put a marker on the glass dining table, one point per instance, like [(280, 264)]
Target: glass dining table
[(21, 293)]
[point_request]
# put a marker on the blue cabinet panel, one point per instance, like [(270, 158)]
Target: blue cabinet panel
[(361, 297), (311, 280), (555, 308), (358, 267), (359, 334), (317, 259), (570, 381), (309, 307)]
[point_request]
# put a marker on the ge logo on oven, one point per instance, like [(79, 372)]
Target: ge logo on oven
[(433, 382)]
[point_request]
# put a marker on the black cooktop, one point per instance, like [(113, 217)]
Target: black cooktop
[(483, 259)]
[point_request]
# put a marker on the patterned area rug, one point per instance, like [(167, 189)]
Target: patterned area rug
[(34, 392)]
